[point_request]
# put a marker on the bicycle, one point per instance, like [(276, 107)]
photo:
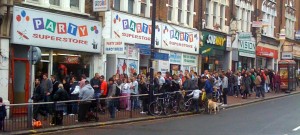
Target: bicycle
[(163, 105), (186, 105)]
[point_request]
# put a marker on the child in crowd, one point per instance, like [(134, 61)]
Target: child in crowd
[(196, 95)]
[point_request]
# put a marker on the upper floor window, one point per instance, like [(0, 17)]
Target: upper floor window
[(290, 19), (74, 4), (215, 14), (33, 0), (143, 7), (188, 8), (130, 6), (117, 4), (179, 11), (65, 5), (170, 9), (269, 14), (54, 2)]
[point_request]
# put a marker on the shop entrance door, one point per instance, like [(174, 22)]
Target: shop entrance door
[(20, 79)]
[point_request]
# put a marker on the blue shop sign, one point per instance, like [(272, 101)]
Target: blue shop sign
[(161, 56)]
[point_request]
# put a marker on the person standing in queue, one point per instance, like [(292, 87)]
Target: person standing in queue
[(103, 89)]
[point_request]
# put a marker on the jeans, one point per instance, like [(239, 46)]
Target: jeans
[(196, 104), (112, 108), (259, 90), (236, 90), (230, 89), (135, 102), (266, 87), (74, 105), (225, 91)]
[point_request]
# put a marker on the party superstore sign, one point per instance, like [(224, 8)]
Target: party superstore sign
[(180, 39), (133, 29), (39, 28)]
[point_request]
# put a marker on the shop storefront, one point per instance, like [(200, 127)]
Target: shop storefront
[(70, 47), (266, 58), (246, 46), (213, 51), (135, 32), (183, 46)]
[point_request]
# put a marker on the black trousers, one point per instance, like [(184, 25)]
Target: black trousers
[(83, 110), (37, 109), (225, 91), (1, 124), (58, 117)]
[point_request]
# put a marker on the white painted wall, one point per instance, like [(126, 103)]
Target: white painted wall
[(4, 69)]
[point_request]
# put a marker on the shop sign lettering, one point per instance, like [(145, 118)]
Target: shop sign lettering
[(215, 40), (114, 46), (190, 59), (247, 45), (134, 29), (45, 29), (175, 58)]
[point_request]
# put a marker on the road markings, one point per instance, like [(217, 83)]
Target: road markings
[(297, 128)]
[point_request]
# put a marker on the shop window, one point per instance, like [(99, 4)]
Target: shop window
[(54, 2), (65, 64), (74, 4)]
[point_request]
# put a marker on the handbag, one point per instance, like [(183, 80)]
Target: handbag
[(76, 90), (203, 96)]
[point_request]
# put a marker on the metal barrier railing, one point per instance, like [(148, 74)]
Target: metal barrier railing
[(72, 112)]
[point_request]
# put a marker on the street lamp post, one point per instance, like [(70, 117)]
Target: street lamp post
[(151, 88)]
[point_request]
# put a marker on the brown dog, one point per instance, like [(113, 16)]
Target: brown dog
[(213, 106)]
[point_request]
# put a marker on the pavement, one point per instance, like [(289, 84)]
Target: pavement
[(278, 116), (136, 117)]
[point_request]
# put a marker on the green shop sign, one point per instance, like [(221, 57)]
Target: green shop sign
[(246, 45), (211, 43)]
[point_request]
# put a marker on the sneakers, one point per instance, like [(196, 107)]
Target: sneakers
[(71, 114), (224, 105), (142, 112)]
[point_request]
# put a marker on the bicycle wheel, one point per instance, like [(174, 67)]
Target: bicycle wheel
[(167, 108), (188, 105), (155, 108), (181, 105), (175, 107)]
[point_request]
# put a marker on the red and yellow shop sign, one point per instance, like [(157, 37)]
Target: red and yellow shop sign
[(266, 52)]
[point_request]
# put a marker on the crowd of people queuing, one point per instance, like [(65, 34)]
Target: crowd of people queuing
[(217, 84)]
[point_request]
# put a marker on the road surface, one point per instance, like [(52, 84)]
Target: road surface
[(275, 117)]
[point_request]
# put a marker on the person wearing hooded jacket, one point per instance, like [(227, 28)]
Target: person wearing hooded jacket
[(86, 94)]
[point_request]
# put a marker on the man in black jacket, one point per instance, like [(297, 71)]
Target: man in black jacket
[(38, 96)]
